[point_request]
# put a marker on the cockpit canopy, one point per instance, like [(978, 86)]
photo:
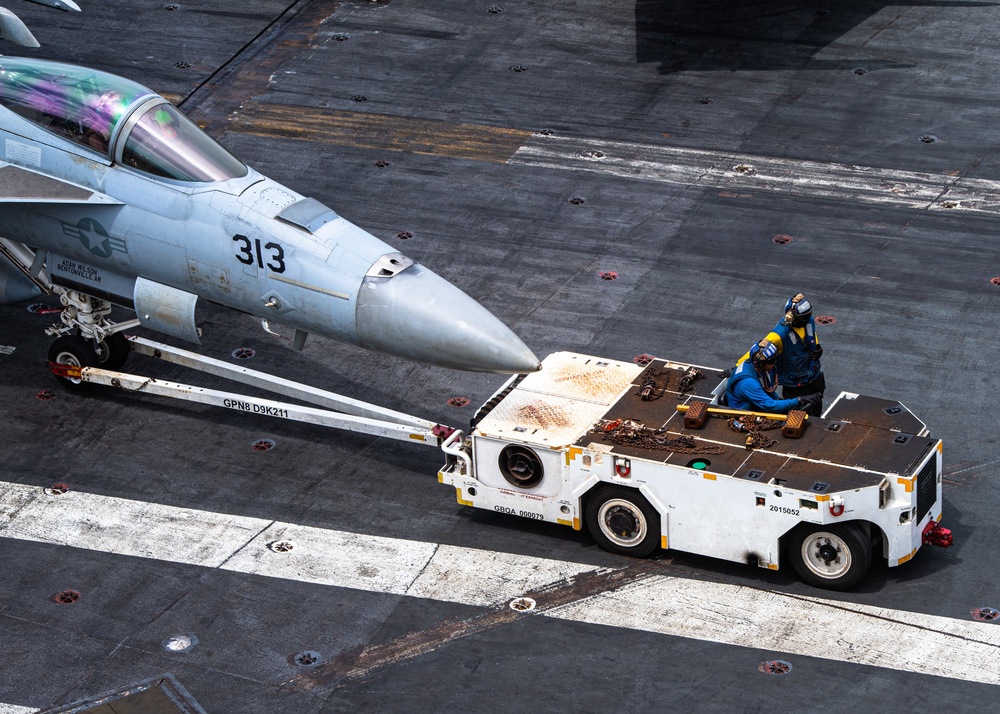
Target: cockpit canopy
[(115, 117)]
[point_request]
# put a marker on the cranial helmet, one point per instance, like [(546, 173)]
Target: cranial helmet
[(763, 354), (798, 310)]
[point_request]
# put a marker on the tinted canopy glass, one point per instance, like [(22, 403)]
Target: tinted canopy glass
[(164, 142), (86, 106), (76, 103)]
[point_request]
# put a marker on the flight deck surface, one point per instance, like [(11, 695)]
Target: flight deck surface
[(617, 179)]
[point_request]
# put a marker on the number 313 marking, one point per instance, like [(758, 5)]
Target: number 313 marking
[(249, 250)]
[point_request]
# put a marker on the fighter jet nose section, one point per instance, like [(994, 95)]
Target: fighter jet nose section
[(418, 315)]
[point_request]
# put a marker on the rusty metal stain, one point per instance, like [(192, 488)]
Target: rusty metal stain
[(248, 73), (378, 131), (363, 663), (598, 385), (544, 416), (224, 103)]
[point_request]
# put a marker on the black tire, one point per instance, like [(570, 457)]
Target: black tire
[(622, 521), (834, 557), (112, 352), (76, 351)]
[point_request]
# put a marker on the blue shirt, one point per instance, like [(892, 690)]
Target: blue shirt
[(745, 392)]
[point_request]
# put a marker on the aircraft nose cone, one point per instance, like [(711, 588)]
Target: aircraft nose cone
[(419, 315)]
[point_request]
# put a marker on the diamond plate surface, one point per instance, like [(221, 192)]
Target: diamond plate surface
[(541, 419), (582, 377)]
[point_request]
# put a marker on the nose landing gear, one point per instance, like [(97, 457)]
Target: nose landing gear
[(86, 337)]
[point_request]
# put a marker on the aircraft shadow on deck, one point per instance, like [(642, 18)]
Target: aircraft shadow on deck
[(730, 35)]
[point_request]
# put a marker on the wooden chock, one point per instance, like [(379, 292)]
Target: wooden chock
[(795, 424), (696, 414)]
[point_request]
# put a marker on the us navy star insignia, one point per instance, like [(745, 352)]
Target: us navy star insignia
[(94, 237)]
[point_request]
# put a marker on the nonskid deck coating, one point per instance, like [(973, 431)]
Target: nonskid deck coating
[(493, 174)]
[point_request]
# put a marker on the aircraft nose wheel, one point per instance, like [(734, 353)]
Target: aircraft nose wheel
[(112, 352), (77, 352)]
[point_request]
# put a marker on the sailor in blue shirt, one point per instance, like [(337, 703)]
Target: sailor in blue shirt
[(754, 382)]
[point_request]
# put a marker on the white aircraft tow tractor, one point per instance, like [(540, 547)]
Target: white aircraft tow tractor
[(644, 458)]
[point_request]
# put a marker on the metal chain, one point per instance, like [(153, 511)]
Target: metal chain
[(651, 389), (752, 426), (115, 382), (631, 433)]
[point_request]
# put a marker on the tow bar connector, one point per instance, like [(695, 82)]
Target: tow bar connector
[(68, 371), (936, 534)]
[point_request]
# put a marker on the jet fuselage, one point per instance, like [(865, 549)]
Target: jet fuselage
[(133, 204)]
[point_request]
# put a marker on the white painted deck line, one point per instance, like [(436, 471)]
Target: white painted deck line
[(815, 627), (718, 170), (239, 543), (715, 612), (14, 709)]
